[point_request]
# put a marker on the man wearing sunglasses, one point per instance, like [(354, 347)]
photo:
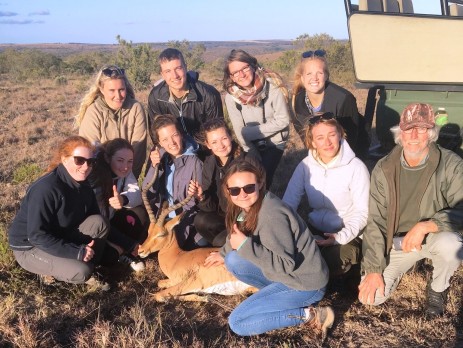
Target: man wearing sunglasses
[(415, 212), (181, 94)]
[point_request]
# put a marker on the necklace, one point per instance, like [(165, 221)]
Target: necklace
[(311, 108)]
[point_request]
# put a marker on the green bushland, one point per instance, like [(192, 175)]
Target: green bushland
[(26, 173), (140, 61)]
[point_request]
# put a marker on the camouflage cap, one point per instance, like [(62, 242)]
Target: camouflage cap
[(417, 115)]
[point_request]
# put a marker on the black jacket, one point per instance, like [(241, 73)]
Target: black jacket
[(50, 214), (202, 103), (213, 173), (338, 101)]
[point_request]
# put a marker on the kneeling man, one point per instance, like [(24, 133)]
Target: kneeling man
[(415, 212)]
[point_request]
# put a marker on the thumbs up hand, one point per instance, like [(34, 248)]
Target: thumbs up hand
[(89, 252), (116, 201)]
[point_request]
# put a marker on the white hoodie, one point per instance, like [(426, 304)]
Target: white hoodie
[(337, 194)]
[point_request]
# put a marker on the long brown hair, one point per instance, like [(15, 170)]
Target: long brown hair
[(101, 175), (237, 56), (212, 125), (66, 148), (249, 224)]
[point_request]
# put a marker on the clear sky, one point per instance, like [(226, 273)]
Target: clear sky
[(97, 21)]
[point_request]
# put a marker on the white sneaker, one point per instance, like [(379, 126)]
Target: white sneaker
[(135, 264)]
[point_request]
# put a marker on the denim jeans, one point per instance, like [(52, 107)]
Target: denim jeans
[(274, 306)]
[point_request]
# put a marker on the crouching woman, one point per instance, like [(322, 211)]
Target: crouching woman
[(271, 248), (58, 230)]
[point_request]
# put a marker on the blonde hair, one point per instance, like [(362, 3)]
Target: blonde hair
[(330, 122), (94, 91), (299, 71)]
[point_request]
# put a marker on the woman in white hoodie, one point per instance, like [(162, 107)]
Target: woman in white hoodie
[(337, 186)]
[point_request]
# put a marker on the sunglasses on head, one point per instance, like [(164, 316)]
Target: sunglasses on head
[(325, 116), (316, 53), (248, 189), (79, 161), (113, 71)]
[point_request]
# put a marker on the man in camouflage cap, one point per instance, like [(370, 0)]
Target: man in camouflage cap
[(415, 212)]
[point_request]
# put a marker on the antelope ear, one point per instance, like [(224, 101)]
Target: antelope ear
[(174, 222)]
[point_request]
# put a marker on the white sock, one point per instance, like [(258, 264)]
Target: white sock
[(308, 314)]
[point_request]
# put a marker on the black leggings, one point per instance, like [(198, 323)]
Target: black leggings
[(211, 226), (270, 157)]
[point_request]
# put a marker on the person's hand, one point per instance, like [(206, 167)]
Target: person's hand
[(368, 287), (236, 237), (414, 238), (89, 252), (116, 201), (330, 240), (155, 157), (214, 259), (195, 189)]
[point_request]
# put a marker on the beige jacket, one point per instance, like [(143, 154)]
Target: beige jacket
[(101, 124)]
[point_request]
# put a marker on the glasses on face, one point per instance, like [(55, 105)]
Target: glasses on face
[(248, 189), (325, 116), (79, 161), (316, 53), (420, 130), (237, 73), (113, 71)]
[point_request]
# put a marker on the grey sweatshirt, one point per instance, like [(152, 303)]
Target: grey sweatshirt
[(283, 248)]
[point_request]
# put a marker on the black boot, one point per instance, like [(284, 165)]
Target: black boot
[(435, 301)]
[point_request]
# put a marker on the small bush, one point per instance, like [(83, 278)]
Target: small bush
[(26, 173), (61, 81)]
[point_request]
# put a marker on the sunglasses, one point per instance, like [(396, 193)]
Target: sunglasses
[(316, 53), (113, 71), (325, 116), (248, 189), (79, 161)]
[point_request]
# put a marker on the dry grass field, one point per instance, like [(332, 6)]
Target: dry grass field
[(33, 117)]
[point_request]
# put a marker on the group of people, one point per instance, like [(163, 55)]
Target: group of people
[(87, 210)]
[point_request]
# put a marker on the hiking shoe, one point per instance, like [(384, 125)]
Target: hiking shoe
[(136, 264), (435, 301), (46, 279), (97, 283), (321, 318)]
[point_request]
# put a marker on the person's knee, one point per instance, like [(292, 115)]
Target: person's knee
[(96, 226), (447, 247), (231, 259), (201, 222), (79, 273)]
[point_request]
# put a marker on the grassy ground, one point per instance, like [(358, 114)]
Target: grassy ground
[(33, 116)]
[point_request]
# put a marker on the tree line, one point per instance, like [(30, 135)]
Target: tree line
[(140, 60)]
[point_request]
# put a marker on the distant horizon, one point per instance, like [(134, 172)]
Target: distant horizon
[(141, 43), (25, 22)]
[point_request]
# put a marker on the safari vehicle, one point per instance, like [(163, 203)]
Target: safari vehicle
[(401, 57)]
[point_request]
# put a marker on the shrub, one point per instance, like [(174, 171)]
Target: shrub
[(61, 80), (26, 173)]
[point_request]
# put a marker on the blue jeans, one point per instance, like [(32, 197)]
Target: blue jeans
[(274, 306)]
